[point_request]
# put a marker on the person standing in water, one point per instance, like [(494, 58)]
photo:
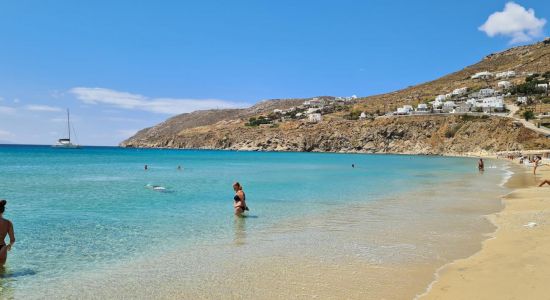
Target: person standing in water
[(145, 167), (239, 200), (6, 228), (481, 165)]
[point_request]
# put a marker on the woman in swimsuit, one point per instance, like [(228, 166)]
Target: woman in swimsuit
[(240, 199), (6, 228)]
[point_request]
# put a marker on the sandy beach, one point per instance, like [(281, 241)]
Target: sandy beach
[(514, 264)]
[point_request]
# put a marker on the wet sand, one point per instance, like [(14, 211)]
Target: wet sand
[(515, 264)]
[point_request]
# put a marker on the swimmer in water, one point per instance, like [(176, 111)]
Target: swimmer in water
[(481, 165), (6, 228), (155, 187), (145, 167), (240, 200)]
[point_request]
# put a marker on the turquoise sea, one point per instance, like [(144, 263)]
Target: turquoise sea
[(80, 213)]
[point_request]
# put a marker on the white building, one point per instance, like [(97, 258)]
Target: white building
[(504, 84), (315, 102), (482, 75), (363, 116), (440, 98), (490, 104), (543, 86), (471, 102), (448, 106), (486, 92), (437, 103), (460, 91), (422, 108), (277, 111), (315, 118), (505, 74), (405, 110), (522, 100)]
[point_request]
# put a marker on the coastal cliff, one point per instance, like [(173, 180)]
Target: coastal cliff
[(340, 131), (410, 135)]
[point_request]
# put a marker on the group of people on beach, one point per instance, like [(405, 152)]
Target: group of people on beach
[(536, 161)]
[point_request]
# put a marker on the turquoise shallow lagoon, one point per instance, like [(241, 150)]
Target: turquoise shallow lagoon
[(83, 212)]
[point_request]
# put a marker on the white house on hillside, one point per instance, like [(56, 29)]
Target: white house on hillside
[(486, 92), (543, 86), (405, 110), (522, 100), (440, 98), (482, 75), (506, 74), (491, 104), (422, 108), (504, 84), (460, 91), (437, 103), (448, 106)]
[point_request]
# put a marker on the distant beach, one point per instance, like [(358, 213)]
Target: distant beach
[(513, 264)]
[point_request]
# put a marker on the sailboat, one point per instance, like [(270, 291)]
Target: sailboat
[(66, 143)]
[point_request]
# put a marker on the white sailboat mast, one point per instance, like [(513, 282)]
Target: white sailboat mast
[(68, 124)]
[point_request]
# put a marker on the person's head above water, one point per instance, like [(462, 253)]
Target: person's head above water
[(237, 186), (3, 205)]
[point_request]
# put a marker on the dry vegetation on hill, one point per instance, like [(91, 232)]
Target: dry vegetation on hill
[(225, 129)]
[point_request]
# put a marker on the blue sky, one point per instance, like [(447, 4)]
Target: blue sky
[(124, 65)]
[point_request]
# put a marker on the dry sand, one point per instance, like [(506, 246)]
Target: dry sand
[(515, 264)]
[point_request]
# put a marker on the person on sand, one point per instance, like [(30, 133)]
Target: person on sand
[(239, 199), (545, 181), (536, 164), (6, 228), (481, 165)]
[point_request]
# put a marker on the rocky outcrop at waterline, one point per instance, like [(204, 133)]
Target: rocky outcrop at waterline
[(409, 135)]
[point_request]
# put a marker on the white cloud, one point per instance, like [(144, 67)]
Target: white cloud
[(515, 22), (7, 110), (5, 134), (35, 107), (16, 100), (169, 106)]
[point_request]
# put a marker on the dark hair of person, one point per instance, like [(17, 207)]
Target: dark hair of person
[(3, 205)]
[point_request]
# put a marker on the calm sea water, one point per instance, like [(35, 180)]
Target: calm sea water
[(84, 210)]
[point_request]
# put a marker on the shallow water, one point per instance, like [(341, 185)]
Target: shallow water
[(88, 226)]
